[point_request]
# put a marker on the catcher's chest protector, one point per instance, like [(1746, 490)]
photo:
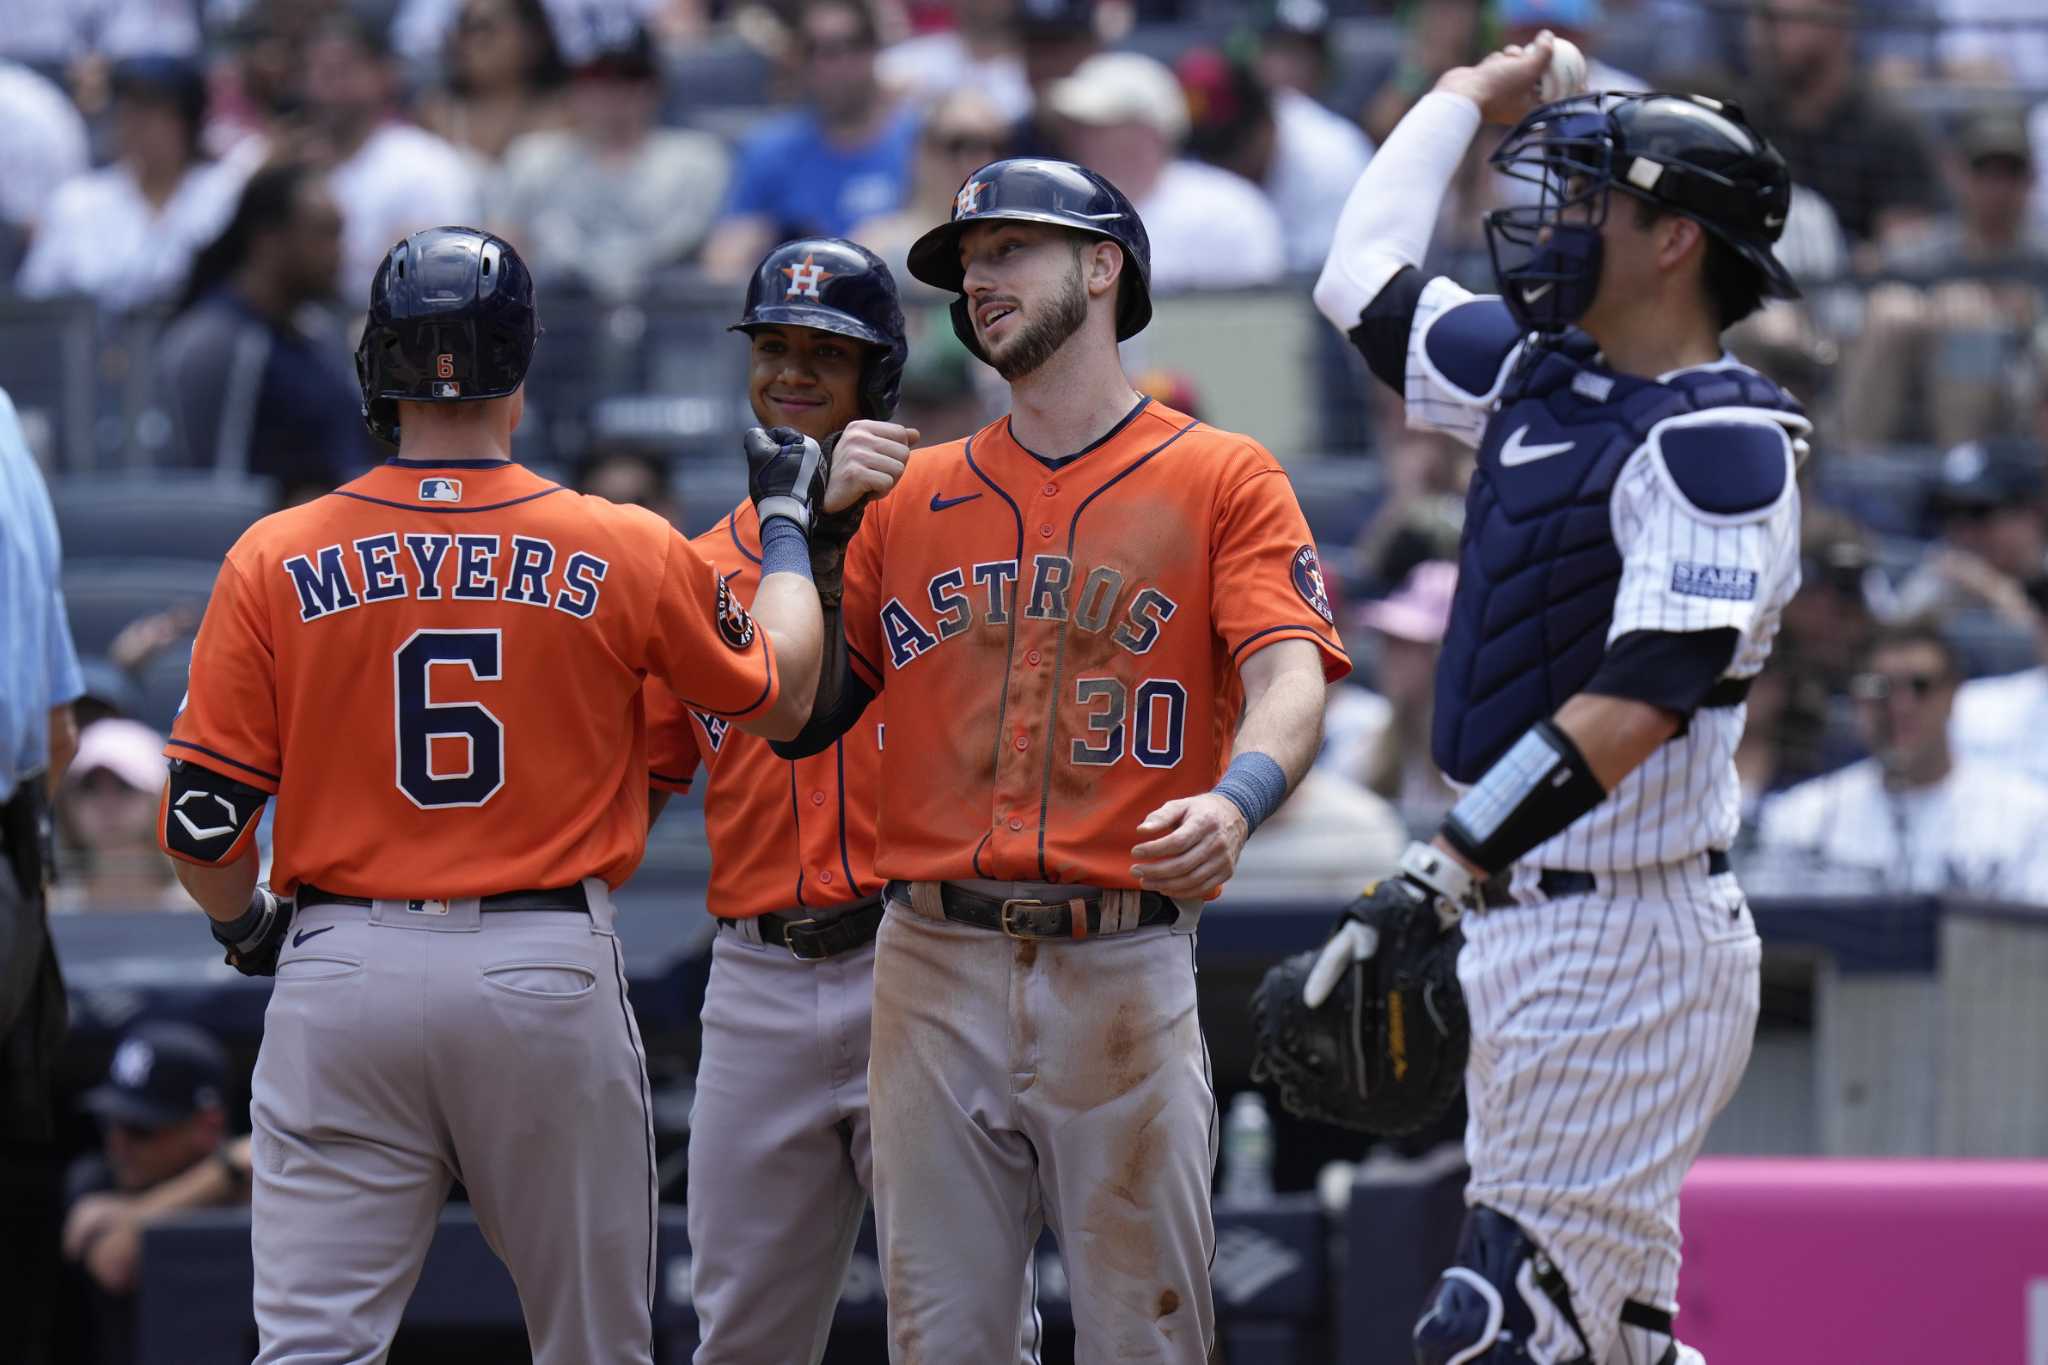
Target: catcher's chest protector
[(1537, 567)]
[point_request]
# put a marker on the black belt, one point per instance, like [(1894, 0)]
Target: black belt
[(1037, 918), (1728, 692), (810, 940), (1557, 882), (565, 898)]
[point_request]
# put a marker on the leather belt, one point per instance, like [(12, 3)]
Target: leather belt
[(811, 940), (1558, 882), (563, 898), (1038, 918)]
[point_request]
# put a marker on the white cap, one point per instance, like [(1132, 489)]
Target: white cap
[(128, 749), (1123, 87)]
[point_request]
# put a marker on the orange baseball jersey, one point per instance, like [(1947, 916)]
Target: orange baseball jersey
[(1056, 642), (437, 670), (783, 834)]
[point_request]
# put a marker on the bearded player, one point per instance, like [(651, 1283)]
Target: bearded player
[(1100, 639), (1631, 535), (779, 1139)]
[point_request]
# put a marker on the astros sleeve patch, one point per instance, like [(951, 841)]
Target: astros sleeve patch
[(205, 817)]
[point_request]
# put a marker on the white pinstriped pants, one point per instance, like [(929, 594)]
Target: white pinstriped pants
[(1607, 1031)]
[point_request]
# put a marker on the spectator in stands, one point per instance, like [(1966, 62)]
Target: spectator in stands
[(1993, 534), (626, 471), (107, 811), (166, 1149), (1867, 158), (980, 52), (1948, 360), (255, 375), (257, 107), (1422, 514), (1127, 118), (504, 76), (1281, 140), (1293, 49), (1381, 740), (962, 131), (42, 145), (1914, 818), (843, 158), (2004, 719), (1053, 38), (612, 199), (126, 234), (389, 177), (1440, 34)]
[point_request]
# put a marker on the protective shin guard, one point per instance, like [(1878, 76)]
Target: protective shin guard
[(1500, 1303)]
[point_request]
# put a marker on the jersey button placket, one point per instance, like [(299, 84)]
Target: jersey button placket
[(817, 798)]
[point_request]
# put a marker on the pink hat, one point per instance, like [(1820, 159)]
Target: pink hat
[(128, 749), (1420, 608)]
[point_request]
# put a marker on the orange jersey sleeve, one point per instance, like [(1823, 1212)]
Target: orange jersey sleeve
[(1057, 639), (438, 668), (784, 835)]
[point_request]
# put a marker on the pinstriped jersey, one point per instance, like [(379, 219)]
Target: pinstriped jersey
[(436, 670), (784, 834), (1056, 642), (1688, 562)]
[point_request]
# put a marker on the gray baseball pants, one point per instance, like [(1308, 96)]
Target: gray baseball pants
[(780, 1152), (409, 1045), (1019, 1083)]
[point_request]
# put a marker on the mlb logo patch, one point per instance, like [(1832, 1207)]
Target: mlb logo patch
[(440, 490), (1713, 580)]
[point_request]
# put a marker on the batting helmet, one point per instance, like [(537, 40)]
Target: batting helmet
[(1683, 153), (451, 321), (1037, 190), (833, 285)]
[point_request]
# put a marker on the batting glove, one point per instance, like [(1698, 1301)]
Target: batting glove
[(785, 474)]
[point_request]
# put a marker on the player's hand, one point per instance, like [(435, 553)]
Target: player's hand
[(91, 1216), (785, 473), (1195, 846), (867, 460), (1505, 85), (254, 941), (114, 1256)]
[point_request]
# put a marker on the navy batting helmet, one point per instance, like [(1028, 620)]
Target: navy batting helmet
[(833, 285), (1686, 154), (451, 321), (1037, 190)]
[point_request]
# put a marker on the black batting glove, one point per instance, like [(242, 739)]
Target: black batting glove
[(254, 941), (785, 474)]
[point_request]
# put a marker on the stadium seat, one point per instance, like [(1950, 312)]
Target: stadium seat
[(157, 516), (104, 595)]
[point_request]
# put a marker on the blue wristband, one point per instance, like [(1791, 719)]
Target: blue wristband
[(784, 548), (1255, 785)]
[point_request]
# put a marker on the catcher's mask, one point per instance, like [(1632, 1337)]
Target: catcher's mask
[(1686, 154)]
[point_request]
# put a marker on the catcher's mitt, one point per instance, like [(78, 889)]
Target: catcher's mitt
[(1385, 1054)]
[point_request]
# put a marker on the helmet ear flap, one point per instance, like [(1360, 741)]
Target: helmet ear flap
[(963, 327)]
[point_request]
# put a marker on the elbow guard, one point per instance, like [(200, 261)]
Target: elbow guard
[(1536, 791), (206, 818)]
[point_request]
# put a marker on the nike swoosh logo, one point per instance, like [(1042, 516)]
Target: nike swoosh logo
[(1531, 295), (940, 504), (304, 934), (1514, 452)]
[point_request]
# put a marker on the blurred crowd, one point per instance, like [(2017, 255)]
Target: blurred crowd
[(226, 173)]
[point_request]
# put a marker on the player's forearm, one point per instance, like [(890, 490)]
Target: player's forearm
[(1284, 697), (205, 1184), (1616, 734), (223, 892), (1387, 221), (1553, 775), (786, 607)]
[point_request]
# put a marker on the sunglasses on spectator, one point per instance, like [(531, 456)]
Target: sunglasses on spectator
[(1875, 687), (961, 143), (826, 49)]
